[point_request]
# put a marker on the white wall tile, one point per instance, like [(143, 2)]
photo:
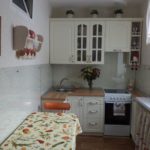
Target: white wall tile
[(108, 71), (21, 87)]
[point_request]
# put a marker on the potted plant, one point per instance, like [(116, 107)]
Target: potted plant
[(89, 73), (70, 13), (94, 13), (118, 13)]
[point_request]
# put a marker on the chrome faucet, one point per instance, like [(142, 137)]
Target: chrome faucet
[(61, 82)]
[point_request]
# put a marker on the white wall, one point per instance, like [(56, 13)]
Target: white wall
[(143, 74), (145, 60), (22, 82), (23, 86), (12, 16), (129, 11)]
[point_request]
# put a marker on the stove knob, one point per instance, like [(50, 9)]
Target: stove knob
[(111, 98), (120, 98), (124, 99), (114, 98)]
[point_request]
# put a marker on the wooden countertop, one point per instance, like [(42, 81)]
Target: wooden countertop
[(53, 95)]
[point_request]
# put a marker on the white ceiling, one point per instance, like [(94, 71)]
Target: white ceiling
[(101, 3)]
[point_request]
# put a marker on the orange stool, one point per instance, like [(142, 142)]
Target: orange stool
[(56, 106)]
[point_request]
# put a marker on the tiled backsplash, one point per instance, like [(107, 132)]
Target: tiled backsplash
[(22, 87), (107, 78)]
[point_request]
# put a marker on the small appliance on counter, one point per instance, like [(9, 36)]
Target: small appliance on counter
[(117, 112)]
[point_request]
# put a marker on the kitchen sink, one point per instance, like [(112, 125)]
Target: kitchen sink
[(64, 90)]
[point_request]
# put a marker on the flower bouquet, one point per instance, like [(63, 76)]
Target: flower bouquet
[(89, 73)]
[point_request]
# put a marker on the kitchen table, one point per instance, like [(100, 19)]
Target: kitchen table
[(45, 131)]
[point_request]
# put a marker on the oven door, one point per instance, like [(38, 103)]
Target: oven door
[(112, 119)]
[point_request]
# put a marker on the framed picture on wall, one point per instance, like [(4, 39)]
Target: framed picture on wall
[(25, 5)]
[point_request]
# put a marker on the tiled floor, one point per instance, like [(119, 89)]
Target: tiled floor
[(104, 143)]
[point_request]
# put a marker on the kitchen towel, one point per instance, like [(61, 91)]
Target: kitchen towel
[(119, 109)]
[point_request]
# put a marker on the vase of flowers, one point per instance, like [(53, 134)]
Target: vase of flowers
[(90, 73)]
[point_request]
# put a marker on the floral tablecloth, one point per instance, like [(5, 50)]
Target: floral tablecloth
[(45, 131)]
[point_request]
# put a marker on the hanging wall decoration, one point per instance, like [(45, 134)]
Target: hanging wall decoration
[(26, 42)]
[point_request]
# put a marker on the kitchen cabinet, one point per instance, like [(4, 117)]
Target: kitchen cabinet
[(84, 40), (136, 44), (76, 41), (118, 36), (76, 103), (90, 111), (89, 42), (61, 42)]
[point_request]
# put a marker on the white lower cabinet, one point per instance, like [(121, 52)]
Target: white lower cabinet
[(76, 103), (90, 111)]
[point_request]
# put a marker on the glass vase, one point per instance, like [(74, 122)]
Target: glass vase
[(90, 84)]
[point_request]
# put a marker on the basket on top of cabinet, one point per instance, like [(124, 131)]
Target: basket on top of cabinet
[(26, 42)]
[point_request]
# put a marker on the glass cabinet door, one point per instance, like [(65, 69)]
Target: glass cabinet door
[(136, 44), (81, 42), (97, 43)]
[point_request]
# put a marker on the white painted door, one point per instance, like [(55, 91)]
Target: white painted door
[(97, 36), (93, 114), (81, 47), (76, 103), (118, 36), (61, 42)]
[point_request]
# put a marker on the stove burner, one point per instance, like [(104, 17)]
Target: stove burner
[(120, 91)]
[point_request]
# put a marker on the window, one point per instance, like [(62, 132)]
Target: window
[(148, 24), (25, 5)]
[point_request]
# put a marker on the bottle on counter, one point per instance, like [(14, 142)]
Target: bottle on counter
[(131, 85)]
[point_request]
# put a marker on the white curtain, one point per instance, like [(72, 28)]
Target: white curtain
[(143, 130), (148, 23)]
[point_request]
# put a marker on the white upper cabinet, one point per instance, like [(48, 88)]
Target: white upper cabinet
[(81, 49), (61, 42), (76, 41), (84, 40), (89, 42), (118, 36), (97, 37)]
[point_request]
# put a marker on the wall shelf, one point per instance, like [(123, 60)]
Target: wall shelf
[(26, 42)]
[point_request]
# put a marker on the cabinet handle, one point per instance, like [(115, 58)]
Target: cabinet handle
[(92, 111), (117, 50), (92, 123), (89, 59), (93, 103), (80, 102), (72, 58)]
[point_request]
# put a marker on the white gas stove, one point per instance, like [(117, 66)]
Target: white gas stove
[(117, 95), (117, 112)]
